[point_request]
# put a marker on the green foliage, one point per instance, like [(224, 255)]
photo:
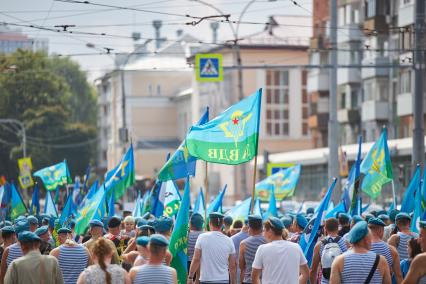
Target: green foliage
[(57, 105)]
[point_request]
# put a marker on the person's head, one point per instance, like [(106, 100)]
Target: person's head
[(299, 223), (114, 225), (196, 222), (33, 221), (237, 225), (344, 219), (102, 254), (287, 221), (157, 247), (142, 244), (63, 234), (129, 223), (43, 233), (355, 220), (414, 247), (422, 236), (273, 229), (216, 221), (146, 230), (402, 221), (392, 215), (164, 225), (384, 218), (29, 241), (359, 235), (331, 226), (255, 224), (96, 228), (8, 234), (377, 227), (227, 221)]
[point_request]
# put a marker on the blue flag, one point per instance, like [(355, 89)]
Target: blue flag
[(272, 209), (355, 208), (90, 194), (111, 205), (418, 212), (86, 180), (17, 205), (94, 208), (216, 204), (66, 213), (257, 209), (407, 204), (199, 203), (339, 208), (181, 164), (137, 211), (54, 176), (310, 234), (35, 201), (49, 206), (240, 211)]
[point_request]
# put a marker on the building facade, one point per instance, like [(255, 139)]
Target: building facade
[(13, 39)]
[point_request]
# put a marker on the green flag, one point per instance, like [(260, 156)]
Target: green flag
[(179, 240), (94, 208), (54, 176), (377, 167), (17, 205), (230, 138)]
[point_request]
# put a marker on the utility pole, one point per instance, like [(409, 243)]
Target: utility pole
[(419, 64), (333, 158)]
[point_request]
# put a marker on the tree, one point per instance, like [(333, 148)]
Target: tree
[(57, 105)]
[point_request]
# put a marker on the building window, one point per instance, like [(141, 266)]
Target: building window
[(305, 104), (405, 82), (149, 90), (277, 103), (158, 90), (371, 8)]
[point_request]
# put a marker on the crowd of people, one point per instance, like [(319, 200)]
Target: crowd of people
[(374, 248)]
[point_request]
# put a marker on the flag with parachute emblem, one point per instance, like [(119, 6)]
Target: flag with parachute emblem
[(94, 208), (179, 239), (283, 183), (54, 176), (377, 167), (181, 164), (230, 138), (121, 177), (17, 206)]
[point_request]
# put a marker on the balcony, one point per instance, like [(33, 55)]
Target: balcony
[(406, 14), (318, 80), (376, 23), (375, 110), (404, 104), (348, 76), (351, 33), (350, 116), (317, 42), (375, 72), (318, 121)]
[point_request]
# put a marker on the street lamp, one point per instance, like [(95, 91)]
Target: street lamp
[(22, 126)]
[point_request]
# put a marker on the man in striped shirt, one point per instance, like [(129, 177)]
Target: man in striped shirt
[(195, 229), (400, 239), (377, 230)]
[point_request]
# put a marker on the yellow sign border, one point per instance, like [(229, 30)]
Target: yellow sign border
[(270, 166)]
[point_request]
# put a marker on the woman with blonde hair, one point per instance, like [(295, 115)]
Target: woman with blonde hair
[(102, 271)]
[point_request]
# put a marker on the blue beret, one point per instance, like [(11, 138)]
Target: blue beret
[(22, 225), (254, 218), (96, 223), (356, 219), (344, 216), (358, 232), (27, 236), (142, 241), (197, 220), (158, 239), (146, 216), (286, 220), (422, 224), (8, 229), (368, 216), (64, 230), (402, 215), (146, 227), (8, 223), (141, 222), (228, 220), (376, 221), (301, 221), (216, 215), (310, 210), (163, 224), (276, 223), (392, 214), (151, 223), (383, 217), (19, 218), (32, 220), (42, 230)]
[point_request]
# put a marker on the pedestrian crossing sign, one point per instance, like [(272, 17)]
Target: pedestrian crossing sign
[(209, 67)]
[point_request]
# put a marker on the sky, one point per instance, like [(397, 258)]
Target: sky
[(119, 24)]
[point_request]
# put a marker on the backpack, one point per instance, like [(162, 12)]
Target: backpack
[(330, 251)]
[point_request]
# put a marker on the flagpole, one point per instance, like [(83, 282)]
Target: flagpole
[(206, 190), (255, 156), (254, 184), (393, 194)]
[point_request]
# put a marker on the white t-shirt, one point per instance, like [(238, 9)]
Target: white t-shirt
[(215, 251), (280, 262)]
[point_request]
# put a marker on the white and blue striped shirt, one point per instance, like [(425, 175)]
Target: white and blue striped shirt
[(72, 261), (154, 274)]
